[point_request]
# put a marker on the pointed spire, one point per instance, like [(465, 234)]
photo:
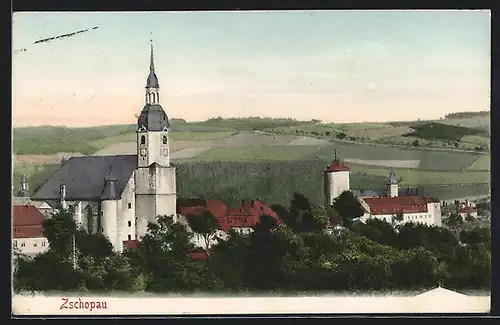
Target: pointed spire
[(152, 61), (152, 81)]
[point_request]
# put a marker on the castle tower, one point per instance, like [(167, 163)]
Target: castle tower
[(155, 182), (392, 184), (336, 180)]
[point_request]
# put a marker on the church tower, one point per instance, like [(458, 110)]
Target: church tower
[(392, 184), (154, 178)]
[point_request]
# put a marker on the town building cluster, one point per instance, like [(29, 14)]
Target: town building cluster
[(119, 195)]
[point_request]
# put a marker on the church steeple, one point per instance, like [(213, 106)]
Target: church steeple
[(152, 84)]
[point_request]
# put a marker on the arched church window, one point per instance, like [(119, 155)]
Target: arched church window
[(129, 237), (90, 219), (165, 140), (153, 100), (143, 139)]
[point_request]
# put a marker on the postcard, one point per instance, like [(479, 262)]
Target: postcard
[(253, 162)]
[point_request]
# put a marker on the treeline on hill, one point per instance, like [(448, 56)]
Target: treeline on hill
[(439, 131), (295, 256), (273, 181), (467, 114)]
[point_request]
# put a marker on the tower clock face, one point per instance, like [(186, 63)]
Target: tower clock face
[(143, 152), (164, 152)]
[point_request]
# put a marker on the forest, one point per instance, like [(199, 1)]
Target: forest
[(289, 256)]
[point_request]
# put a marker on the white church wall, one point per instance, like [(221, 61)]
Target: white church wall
[(166, 191), (126, 213)]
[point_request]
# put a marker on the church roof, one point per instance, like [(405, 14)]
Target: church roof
[(84, 177), (153, 118), (152, 81)]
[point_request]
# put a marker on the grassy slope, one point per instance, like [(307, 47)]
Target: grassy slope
[(247, 178)]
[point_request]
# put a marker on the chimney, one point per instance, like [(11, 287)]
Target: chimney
[(62, 193)]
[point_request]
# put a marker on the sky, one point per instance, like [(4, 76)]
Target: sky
[(335, 66)]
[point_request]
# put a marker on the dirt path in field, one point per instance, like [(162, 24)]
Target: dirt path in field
[(44, 159)]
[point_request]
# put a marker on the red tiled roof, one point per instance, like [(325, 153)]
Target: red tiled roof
[(24, 215), (393, 205), (131, 244), (248, 214), (27, 222), (337, 166), (198, 256), (467, 210)]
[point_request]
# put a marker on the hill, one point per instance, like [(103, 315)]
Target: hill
[(302, 147)]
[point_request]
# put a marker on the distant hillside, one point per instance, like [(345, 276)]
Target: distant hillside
[(439, 131), (467, 114)]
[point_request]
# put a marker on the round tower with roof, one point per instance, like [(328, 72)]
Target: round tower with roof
[(392, 184), (109, 206), (336, 179)]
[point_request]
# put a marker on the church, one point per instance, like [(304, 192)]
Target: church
[(119, 195)]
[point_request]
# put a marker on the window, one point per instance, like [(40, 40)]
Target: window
[(130, 224), (129, 236), (130, 205), (23, 244), (15, 243), (35, 244), (43, 242), (143, 139), (165, 140)]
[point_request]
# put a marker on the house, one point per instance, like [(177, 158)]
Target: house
[(241, 219), (28, 236), (414, 208), (464, 211), (119, 195)]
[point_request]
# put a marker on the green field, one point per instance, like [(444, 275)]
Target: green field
[(482, 163), (290, 157), (257, 153), (131, 136)]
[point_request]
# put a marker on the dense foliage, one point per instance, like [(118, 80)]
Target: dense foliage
[(298, 255), (439, 131)]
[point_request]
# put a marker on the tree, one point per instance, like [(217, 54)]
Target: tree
[(205, 224), (348, 207), (454, 221), (469, 217), (341, 135), (59, 231), (398, 217), (415, 143)]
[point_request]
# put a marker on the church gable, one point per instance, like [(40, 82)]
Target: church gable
[(84, 177)]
